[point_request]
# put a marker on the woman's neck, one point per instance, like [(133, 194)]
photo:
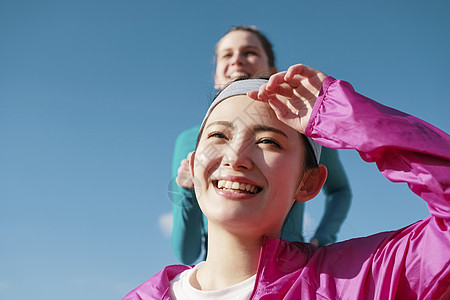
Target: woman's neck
[(230, 259)]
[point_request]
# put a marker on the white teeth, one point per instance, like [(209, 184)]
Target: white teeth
[(238, 74), (221, 184), (225, 184), (235, 185)]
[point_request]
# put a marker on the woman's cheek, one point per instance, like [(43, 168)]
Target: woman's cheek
[(207, 154), (206, 158), (281, 164)]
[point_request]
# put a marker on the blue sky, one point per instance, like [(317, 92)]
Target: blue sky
[(94, 93)]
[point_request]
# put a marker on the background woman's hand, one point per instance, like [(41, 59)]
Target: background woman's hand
[(184, 178), (292, 94)]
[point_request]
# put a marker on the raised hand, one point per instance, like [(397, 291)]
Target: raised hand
[(292, 94), (184, 178)]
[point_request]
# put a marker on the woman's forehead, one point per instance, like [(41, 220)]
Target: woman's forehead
[(243, 38)]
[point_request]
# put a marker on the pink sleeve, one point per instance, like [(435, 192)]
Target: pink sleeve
[(405, 148), (410, 262)]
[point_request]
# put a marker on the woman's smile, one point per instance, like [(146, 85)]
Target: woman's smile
[(237, 187)]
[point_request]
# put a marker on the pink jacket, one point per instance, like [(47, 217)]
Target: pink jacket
[(410, 263)]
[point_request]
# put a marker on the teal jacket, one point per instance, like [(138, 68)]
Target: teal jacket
[(190, 228)]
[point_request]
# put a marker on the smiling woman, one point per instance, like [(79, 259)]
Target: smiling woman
[(242, 53), (249, 168), (249, 152)]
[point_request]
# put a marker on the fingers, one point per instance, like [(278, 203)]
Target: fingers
[(275, 80), (275, 85), (310, 78), (298, 69), (299, 80), (184, 176), (268, 88), (296, 88), (253, 95), (303, 89), (278, 107), (189, 156), (304, 71)]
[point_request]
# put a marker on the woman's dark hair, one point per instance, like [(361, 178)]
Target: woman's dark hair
[(310, 158), (267, 45)]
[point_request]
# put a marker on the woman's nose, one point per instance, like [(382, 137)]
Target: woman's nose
[(237, 156), (236, 58)]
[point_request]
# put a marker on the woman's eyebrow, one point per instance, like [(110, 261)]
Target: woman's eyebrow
[(260, 128), (223, 123)]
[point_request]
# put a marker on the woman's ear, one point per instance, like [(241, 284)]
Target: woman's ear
[(191, 158), (311, 184)]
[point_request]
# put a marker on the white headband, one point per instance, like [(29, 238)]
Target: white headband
[(241, 87)]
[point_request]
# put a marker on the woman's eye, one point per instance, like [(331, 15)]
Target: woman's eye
[(217, 135), (269, 142)]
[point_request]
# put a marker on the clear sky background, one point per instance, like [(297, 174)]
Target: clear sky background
[(93, 94)]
